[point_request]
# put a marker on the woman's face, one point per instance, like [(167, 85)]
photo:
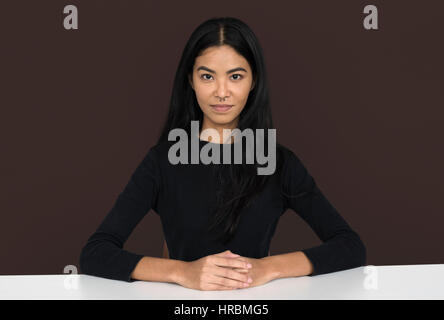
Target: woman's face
[(221, 76)]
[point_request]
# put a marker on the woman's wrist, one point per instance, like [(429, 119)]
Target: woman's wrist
[(178, 274), (270, 267)]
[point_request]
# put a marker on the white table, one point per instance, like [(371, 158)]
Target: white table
[(371, 282)]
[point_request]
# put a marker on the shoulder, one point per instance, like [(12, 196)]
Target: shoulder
[(158, 152), (292, 169), (286, 157), (283, 150), (295, 178), (160, 148)]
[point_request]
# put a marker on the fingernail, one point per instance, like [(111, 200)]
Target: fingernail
[(249, 265), (250, 280)]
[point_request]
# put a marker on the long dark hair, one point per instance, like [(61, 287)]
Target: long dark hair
[(239, 183)]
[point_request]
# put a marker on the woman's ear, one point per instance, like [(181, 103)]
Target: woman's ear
[(190, 81), (253, 83)]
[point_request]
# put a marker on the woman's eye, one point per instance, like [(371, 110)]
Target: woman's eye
[(205, 74), (239, 76)]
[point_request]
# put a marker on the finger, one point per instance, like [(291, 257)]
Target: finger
[(215, 286), (234, 255), (232, 263), (238, 258), (236, 278), (228, 253), (231, 282), (226, 282), (242, 270)]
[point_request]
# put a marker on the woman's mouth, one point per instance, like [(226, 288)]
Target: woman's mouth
[(221, 107)]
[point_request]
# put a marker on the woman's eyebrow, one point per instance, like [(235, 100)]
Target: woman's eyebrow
[(229, 71)]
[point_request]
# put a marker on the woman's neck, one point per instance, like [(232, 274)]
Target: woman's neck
[(222, 140), (229, 139)]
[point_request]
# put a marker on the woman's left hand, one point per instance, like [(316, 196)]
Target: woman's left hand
[(259, 272)]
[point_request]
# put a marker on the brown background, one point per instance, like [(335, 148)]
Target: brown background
[(79, 110)]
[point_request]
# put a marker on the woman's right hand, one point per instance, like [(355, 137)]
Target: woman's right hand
[(222, 271)]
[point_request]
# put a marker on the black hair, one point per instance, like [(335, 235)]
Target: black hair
[(239, 183)]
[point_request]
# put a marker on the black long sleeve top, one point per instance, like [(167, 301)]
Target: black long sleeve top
[(182, 194)]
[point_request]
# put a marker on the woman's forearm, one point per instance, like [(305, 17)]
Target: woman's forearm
[(293, 264), (158, 269)]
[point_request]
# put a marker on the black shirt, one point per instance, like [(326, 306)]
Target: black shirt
[(182, 195)]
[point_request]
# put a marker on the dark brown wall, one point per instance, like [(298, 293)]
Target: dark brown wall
[(79, 109)]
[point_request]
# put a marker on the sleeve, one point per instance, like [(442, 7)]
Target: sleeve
[(103, 254), (341, 246)]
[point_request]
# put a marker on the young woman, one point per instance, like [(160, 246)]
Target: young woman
[(219, 219)]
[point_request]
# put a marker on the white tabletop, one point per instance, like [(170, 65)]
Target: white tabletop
[(370, 282)]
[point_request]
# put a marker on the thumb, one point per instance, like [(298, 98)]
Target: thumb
[(229, 253)]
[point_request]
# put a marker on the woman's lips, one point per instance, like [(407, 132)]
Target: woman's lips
[(221, 107)]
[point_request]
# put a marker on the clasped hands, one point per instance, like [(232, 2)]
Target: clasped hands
[(225, 271)]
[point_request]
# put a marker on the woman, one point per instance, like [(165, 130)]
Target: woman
[(218, 219)]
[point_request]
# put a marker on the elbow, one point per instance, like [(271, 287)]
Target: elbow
[(354, 250), (91, 259), (358, 251), (87, 263), (83, 261), (361, 255)]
